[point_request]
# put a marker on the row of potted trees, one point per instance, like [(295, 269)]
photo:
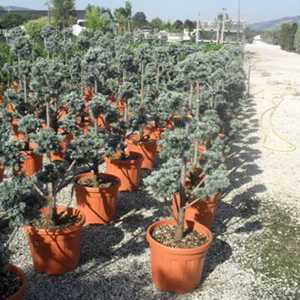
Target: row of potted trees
[(126, 105)]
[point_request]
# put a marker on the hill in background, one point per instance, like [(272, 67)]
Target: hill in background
[(274, 24), (15, 8)]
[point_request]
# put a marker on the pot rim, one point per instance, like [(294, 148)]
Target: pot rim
[(115, 180), (138, 158), (58, 231), (180, 251), (139, 143)]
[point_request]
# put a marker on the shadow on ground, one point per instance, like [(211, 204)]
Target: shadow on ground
[(244, 203)]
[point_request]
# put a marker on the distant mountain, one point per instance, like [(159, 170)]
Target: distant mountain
[(274, 24), (16, 8)]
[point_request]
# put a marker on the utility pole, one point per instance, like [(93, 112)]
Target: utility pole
[(198, 30), (239, 21), (223, 26), (49, 13)]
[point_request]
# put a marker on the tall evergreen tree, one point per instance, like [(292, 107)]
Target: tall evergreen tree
[(63, 12), (287, 36), (297, 41)]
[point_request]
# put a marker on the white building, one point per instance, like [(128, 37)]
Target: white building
[(78, 27)]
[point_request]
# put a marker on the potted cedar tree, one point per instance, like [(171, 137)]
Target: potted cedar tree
[(96, 192), (20, 206), (181, 239), (121, 161)]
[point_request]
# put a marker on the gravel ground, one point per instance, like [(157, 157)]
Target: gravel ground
[(254, 254)]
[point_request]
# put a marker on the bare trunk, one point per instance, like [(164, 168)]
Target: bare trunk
[(191, 98), (47, 115), (25, 88), (182, 202), (126, 112), (52, 203), (157, 78), (96, 86), (179, 231), (142, 85), (196, 143)]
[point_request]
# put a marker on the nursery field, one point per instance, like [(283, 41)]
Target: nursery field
[(137, 169)]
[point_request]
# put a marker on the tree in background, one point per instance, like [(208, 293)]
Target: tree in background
[(139, 20), (62, 12), (157, 23), (34, 27), (293, 31), (13, 19), (297, 40), (250, 34), (287, 36), (190, 25), (178, 25), (97, 19), (271, 37), (123, 16)]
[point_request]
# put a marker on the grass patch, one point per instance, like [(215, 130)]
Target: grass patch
[(276, 250)]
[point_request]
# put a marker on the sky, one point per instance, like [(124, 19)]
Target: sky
[(251, 10)]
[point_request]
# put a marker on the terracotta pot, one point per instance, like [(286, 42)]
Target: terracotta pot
[(15, 85), (63, 111), (128, 171), (10, 108), (177, 270), (101, 122), (19, 295), (88, 93), (202, 212), (15, 126), (85, 126), (97, 205), (153, 132), (112, 97), (148, 149), (2, 169), (56, 251), (64, 146), (32, 163), (1, 99), (53, 156), (122, 105)]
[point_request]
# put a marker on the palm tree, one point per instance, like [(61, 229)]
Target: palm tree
[(122, 17)]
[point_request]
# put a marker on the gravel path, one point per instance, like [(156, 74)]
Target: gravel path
[(275, 86), (255, 254)]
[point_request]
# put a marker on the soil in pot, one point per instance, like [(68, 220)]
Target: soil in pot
[(146, 147), (12, 284), (127, 169), (55, 246), (177, 269), (165, 235), (97, 199)]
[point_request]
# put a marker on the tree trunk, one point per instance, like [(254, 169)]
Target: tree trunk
[(25, 88), (52, 203), (191, 98), (179, 232), (142, 85)]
